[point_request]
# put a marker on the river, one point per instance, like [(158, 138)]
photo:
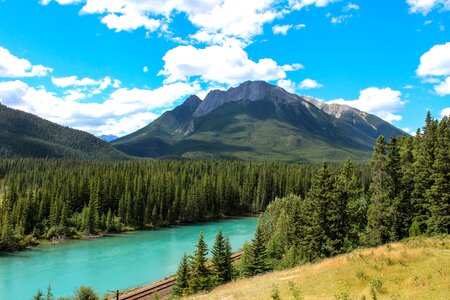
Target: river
[(110, 263)]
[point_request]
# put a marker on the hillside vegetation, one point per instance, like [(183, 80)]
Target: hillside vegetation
[(260, 122), (26, 135), (418, 268)]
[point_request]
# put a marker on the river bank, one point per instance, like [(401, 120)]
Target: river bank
[(121, 261)]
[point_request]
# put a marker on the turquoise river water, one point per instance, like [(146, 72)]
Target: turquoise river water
[(110, 263)]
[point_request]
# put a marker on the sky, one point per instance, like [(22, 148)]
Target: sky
[(110, 67)]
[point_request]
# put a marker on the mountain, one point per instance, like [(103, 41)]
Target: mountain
[(108, 137), (26, 135), (258, 121)]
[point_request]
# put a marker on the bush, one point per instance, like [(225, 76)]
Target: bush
[(85, 293)]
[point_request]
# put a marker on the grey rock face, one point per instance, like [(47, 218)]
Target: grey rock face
[(249, 91)]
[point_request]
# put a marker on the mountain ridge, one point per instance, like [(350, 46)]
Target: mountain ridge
[(257, 121), (26, 135)]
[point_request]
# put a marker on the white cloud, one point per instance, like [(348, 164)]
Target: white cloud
[(299, 4), (340, 19), (12, 66), (216, 20), (351, 6), (434, 65), (145, 69), (228, 64), (435, 62), (309, 84), (130, 21), (384, 103), (407, 130), (445, 112), (287, 84), (281, 29), (443, 88), (61, 2), (426, 6), (64, 82), (408, 87), (129, 108)]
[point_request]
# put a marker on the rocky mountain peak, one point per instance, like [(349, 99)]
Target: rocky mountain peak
[(249, 90)]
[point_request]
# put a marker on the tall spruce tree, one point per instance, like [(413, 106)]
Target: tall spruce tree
[(183, 273), (379, 214), (351, 213), (258, 263), (423, 169), (319, 232), (221, 260), (438, 196), (200, 274), (393, 201)]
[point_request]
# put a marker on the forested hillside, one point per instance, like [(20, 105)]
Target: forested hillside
[(59, 198), (408, 196), (26, 135)]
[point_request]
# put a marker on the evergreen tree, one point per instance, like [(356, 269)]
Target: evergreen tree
[(258, 263), (351, 214), (221, 259), (438, 197), (183, 274), (423, 169), (319, 232), (379, 214), (200, 274)]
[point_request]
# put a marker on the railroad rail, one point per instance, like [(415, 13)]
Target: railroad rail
[(161, 287)]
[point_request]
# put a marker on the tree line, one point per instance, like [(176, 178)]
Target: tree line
[(409, 195), (51, 199)]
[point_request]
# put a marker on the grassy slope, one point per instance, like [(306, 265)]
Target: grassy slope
[(416, 269)]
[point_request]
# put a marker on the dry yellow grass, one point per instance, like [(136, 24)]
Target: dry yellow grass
[(415, 269)]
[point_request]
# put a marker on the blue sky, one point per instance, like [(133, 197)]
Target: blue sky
[(113, 66)]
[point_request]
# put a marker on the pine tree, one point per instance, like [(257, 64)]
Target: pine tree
[(200, 274), (423, 169), (319, 232), (379, 214), (438, 196), (351, 214), (393, 191), (183, 274), (259, 263), (49, 295), (221, 259)]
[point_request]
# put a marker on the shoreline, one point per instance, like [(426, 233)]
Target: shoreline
[(47, 242)]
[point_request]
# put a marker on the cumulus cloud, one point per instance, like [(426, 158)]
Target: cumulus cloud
[(64, 82), (351, 6), (281, 29), (288, 85), (299, 4), (445, 112), (309, 84), (443, 88), (227, 64), (124, 111), (435, 66), (435, 62), (384, 103), (215, 20), (426, 6), (12, 66)]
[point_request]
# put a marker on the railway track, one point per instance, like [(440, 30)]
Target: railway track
[(160, 287)]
